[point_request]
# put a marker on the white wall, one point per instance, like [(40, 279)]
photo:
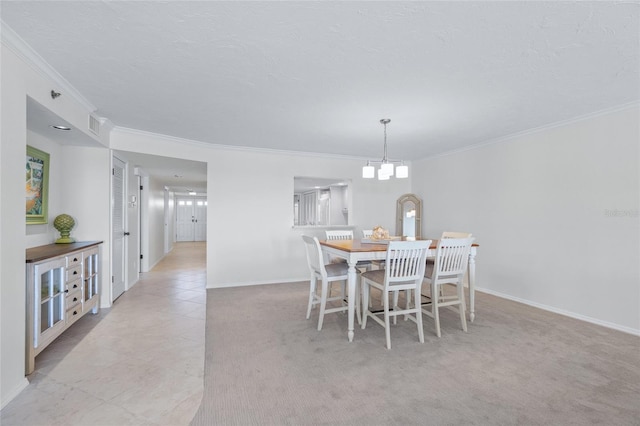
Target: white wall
[(155, 221), (133, 227), (13, 131), (170, 220), (38, 235), (539, 206), (86, 194), (263, 183), (74, 173), (250, 214), (338, 203), (19, 81)]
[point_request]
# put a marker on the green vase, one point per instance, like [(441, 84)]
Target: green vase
[(64, 224)]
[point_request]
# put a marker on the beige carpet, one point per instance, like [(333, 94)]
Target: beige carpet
[(266, 365)]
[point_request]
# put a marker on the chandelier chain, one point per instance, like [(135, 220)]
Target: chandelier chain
[(384, 158)]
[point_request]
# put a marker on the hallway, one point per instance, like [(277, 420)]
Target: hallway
[(141, 362)]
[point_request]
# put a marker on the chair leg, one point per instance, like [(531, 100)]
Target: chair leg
[(357, 296), (365, 307), (323, 303), (435, 298), (387, 326), (419, 315), (369, 268), (408, 303), (312, 293), (396, 294), (463, 318)]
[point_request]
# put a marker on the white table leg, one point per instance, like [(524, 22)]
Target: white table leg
[(352, 297), (472, 285)]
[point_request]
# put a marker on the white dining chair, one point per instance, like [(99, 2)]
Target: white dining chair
[(449, 268), (375, 264), (368, 233), (448, 234), (405, 264), (340, 234), (345, 234), (326, 274), (454, 234), (451, 234)]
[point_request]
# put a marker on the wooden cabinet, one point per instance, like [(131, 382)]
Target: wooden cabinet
[(62, 285)]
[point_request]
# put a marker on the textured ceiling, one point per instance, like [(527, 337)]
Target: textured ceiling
[(317, 76)]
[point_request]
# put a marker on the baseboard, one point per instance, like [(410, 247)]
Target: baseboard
[(130, 285), (8, 397), (629, 330), (248, 283), (155, 263)]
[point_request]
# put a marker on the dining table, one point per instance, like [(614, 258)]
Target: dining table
[(356, 250)]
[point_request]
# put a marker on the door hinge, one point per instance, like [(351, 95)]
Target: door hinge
[(113, 280), (141, 256), (141, 188), (113, 172)]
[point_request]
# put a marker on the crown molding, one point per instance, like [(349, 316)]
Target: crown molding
[(513, 136), (207, 145), (29, 56)]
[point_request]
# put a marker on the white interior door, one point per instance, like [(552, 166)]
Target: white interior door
[(191, 219), (168, 211), (185, 220), (118, 229), (200, 224)]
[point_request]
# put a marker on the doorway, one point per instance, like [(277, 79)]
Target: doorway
[(191, 219), (118, 248)]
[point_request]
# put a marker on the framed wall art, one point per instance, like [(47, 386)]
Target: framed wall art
[(37, 186)]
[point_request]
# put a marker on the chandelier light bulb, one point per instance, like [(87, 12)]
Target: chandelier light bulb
[(387, 168), (382, 175), (402, 172), (368, 172)]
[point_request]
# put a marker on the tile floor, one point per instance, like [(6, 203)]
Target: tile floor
[(141, 362)]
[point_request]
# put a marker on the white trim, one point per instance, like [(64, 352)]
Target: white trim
[(304, 280), (635, 332), (25, 52), (509, 138), (143, 228), (9, 396), (130, 286), (201, 144)]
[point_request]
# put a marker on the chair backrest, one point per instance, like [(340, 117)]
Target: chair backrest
[(452, 257), (367, 233), (346, 234), (451, 234), (314, 255), (405, 261)]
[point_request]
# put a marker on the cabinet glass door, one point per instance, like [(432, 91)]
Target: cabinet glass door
[(90, 276), (50, 304)]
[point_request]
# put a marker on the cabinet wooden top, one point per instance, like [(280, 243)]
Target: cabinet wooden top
[(36, 254)]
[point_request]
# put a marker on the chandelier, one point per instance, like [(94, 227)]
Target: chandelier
[(387, 166)]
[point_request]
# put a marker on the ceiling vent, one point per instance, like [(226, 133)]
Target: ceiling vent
[(94, 125)]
